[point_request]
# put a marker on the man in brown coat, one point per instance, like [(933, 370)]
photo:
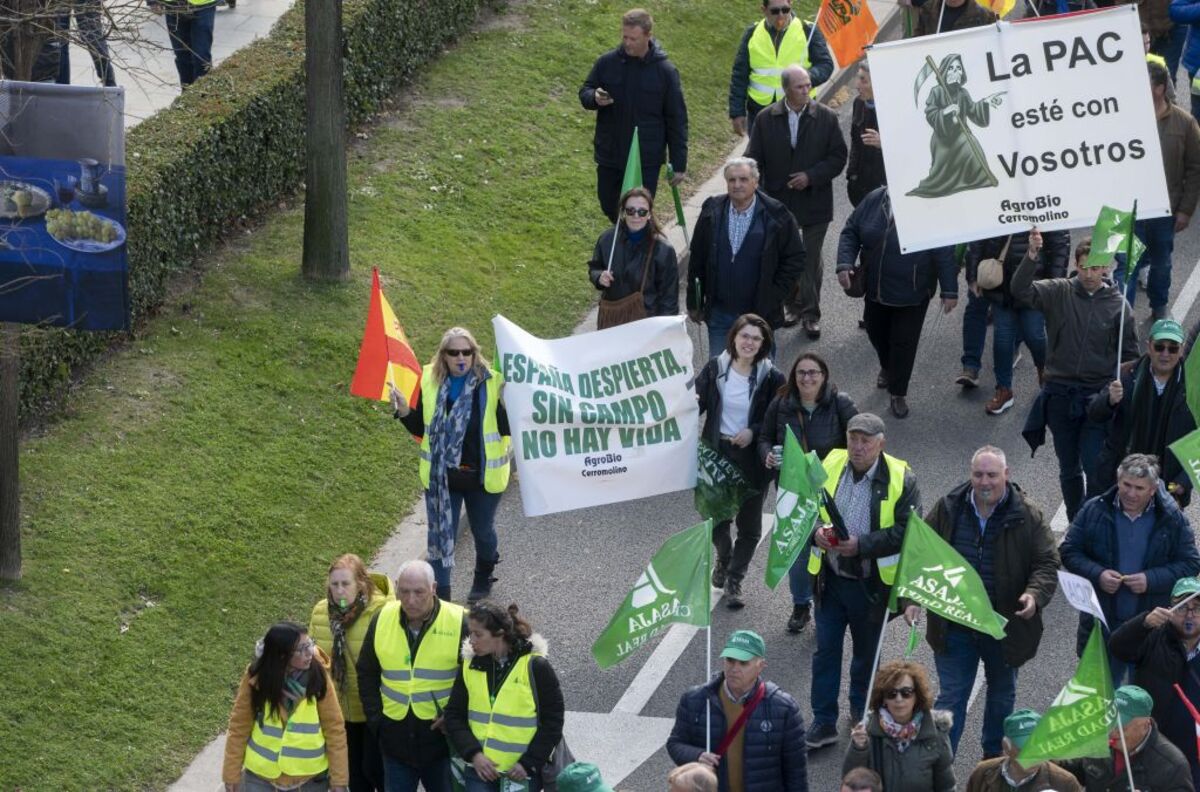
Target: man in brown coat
[(1004, 773), (1008, 540)]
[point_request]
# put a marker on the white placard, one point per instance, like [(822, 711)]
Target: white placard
[(1080, 593), (600, 417), (991, 130)]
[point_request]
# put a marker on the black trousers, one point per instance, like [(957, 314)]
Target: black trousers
[(608, 187), (894, 332), (735, 555), (366, 762)]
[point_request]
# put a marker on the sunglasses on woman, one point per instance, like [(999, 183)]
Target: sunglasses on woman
[(900, 692), (633, 211), (459, 353)]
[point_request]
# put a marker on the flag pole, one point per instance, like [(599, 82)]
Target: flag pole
[(1183, 602), (1125, 750), (707, 704), (941, 13), (1125, 284), (874, 669), (813, 30), (616, 233)]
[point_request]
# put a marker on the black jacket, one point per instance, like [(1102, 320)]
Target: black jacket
[(893, 278), (1160, 662), (646, 94), (1052, 260), (825, 430), (782, 258), (1090, 547), (1158, 767), (822, 67), (551, 711), (765, 380), (820, 152), (1120, 424), (864, 169), (927, 765), (411, 740), (661, 292), (1026, 561), (773, 754)]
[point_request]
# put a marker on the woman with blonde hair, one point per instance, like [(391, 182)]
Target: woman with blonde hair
[(339, 624), (465, 447)]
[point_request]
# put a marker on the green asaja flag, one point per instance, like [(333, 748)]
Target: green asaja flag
[(633, 165), (674, 588), (932, 574), (1078, 722), (799, 502), (721, 488), (1191, 381), (1187, 450), (1112, 235)]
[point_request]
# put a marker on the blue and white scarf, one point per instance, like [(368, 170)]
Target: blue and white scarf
[(446, 433)]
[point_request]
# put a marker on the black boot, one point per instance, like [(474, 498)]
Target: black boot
[(481, 586), (801, 614), (443, 593)]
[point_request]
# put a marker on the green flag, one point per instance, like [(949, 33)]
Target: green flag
[(1078, 722), (721, 488), (674, 588), (1187, 450), (633, 165), (1110, 236), (932, 574), (799, 501), (1191, 377)]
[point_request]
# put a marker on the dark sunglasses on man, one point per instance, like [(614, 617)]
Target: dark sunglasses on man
[(780, 10), (1164, 346)]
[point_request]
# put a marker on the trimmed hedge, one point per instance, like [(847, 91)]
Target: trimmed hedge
[(230, 145)]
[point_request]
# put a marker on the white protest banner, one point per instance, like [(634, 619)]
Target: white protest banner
[(1079, 592), (600, 417), (991, 130)]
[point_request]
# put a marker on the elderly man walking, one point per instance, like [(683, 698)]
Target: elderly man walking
[(868, 497), (1132, 543), (799, 148), (1007, 539)]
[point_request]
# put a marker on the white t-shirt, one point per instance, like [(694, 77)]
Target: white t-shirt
[(735, 407)]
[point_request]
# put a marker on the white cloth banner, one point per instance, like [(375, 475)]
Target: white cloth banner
[(600, 417), (1079, 592), (991, 130)]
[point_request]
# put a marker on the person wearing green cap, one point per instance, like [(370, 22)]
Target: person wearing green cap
[(1163, 646), (581, 777), (1005, 773), (756, 737), (1146, 410), (1157, 765)]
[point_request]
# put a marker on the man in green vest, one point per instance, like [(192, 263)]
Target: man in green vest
[(767, 47), (868, 497), (410, 658)]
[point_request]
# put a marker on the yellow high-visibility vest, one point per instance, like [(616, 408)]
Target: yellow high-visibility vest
[(505, 726), (1159, 59), (296, 748), (495, 445), (422, 683), (834, 463), (767, 64)]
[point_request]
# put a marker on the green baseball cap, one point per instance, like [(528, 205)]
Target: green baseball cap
[(744, 645), (1167, 329), (1133, 702), (1019, 725), (581, 777), (1185, 586)]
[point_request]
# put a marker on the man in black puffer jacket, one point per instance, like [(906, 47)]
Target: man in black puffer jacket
[(767, 752)]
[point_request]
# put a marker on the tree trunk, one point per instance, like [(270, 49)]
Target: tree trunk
[(10, 488), (326, 248)]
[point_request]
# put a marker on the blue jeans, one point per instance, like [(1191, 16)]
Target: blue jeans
[(1077, 441), (1158, 234), (974, 331), (481, 514), (719, 324), (90, 25), (401, 777), (1011, 326), (843, 604), (191, 34), (476, 784), (956, 669), (1170, 47), (799, 581)]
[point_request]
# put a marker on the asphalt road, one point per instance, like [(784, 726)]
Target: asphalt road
[(570, 571)]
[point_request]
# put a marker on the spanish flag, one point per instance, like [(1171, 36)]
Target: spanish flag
[(385, 355), (998, 7)]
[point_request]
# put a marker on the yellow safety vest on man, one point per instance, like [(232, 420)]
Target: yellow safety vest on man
[(296, 748), (835, 463), (495, 445), (422, 683), (504, 726), (1159, 59), (767, 63)]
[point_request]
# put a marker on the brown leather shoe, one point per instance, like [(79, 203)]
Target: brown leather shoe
[(899, 407), (1001, 401)]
